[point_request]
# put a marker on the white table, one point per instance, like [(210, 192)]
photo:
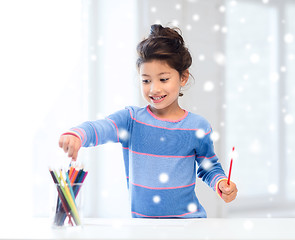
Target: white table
[(182, 229)]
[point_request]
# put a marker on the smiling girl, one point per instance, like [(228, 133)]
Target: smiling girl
[(164, 146)]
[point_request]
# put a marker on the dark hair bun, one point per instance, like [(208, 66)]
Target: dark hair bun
[(157, 31), (164, 43)]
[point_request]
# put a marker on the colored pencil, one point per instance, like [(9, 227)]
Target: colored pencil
[(71, 171), (70, 200), (230, 168), (74, 175)]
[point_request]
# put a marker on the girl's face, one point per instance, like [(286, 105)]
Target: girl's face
[(161, 84)]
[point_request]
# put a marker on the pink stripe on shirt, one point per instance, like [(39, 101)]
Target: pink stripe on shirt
[(166, 120), (184, 214), (186, 129), (96, 137), (116, 128), (154, 155), (163, 188)]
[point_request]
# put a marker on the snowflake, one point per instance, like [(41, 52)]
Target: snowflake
[(242, 20), (93, 57), (222, 9), (206, 164), (188, 27), (274, 77), (245, 76), (163, 177), (208, 86), (196, 17), (201, 57), (123, 134), (224, 29), (214, 136), (233, 3), (100, 42), (289, 38), (272, 188), (255, 147), (216, 27), (270, 39), (248, 108), (156, 199), (158, 21), (240, 89), (200, 133), (153, 9), (271, 127), (254, 58), (283, 69), (162, 139), (192, 207), (219, 58), (178, 6), (233, 154), (175, 23), (248, 46)]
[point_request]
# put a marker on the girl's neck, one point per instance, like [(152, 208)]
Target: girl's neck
[(168, 114)]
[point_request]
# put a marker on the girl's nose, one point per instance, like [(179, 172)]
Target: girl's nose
[(155, 88)]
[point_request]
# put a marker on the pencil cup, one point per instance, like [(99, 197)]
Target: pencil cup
[(68, 205)]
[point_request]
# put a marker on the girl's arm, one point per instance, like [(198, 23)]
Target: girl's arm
[(93, 133), (211, 171)]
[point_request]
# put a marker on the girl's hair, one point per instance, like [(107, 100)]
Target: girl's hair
[(165, 44)]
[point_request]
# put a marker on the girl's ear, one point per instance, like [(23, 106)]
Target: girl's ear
[(184, 77)]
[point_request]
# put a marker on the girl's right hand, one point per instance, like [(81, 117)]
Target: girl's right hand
[(71, 145)]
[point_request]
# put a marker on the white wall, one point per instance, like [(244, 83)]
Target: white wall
[(112, 86)]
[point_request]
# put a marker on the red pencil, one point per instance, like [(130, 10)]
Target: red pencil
[(231, 163)]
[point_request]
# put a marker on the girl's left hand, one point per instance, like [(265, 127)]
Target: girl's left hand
[(228, 192)]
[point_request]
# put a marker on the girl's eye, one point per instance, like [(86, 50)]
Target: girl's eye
[(145, 81), (164, 79)]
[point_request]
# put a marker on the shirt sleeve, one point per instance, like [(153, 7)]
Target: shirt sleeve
[(209, 170), (113, 128)]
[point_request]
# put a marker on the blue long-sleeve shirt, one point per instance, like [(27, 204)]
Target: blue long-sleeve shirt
[(161, 158)]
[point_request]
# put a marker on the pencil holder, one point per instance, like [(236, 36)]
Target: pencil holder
[(67, 210)]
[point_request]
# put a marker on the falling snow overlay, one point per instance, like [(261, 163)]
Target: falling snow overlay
[(243, 82)]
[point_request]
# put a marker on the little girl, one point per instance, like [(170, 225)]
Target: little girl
[(164, 146)]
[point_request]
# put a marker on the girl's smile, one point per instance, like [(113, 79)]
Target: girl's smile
[(157, 99)]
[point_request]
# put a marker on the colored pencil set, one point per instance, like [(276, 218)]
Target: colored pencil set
[(68, 184)]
